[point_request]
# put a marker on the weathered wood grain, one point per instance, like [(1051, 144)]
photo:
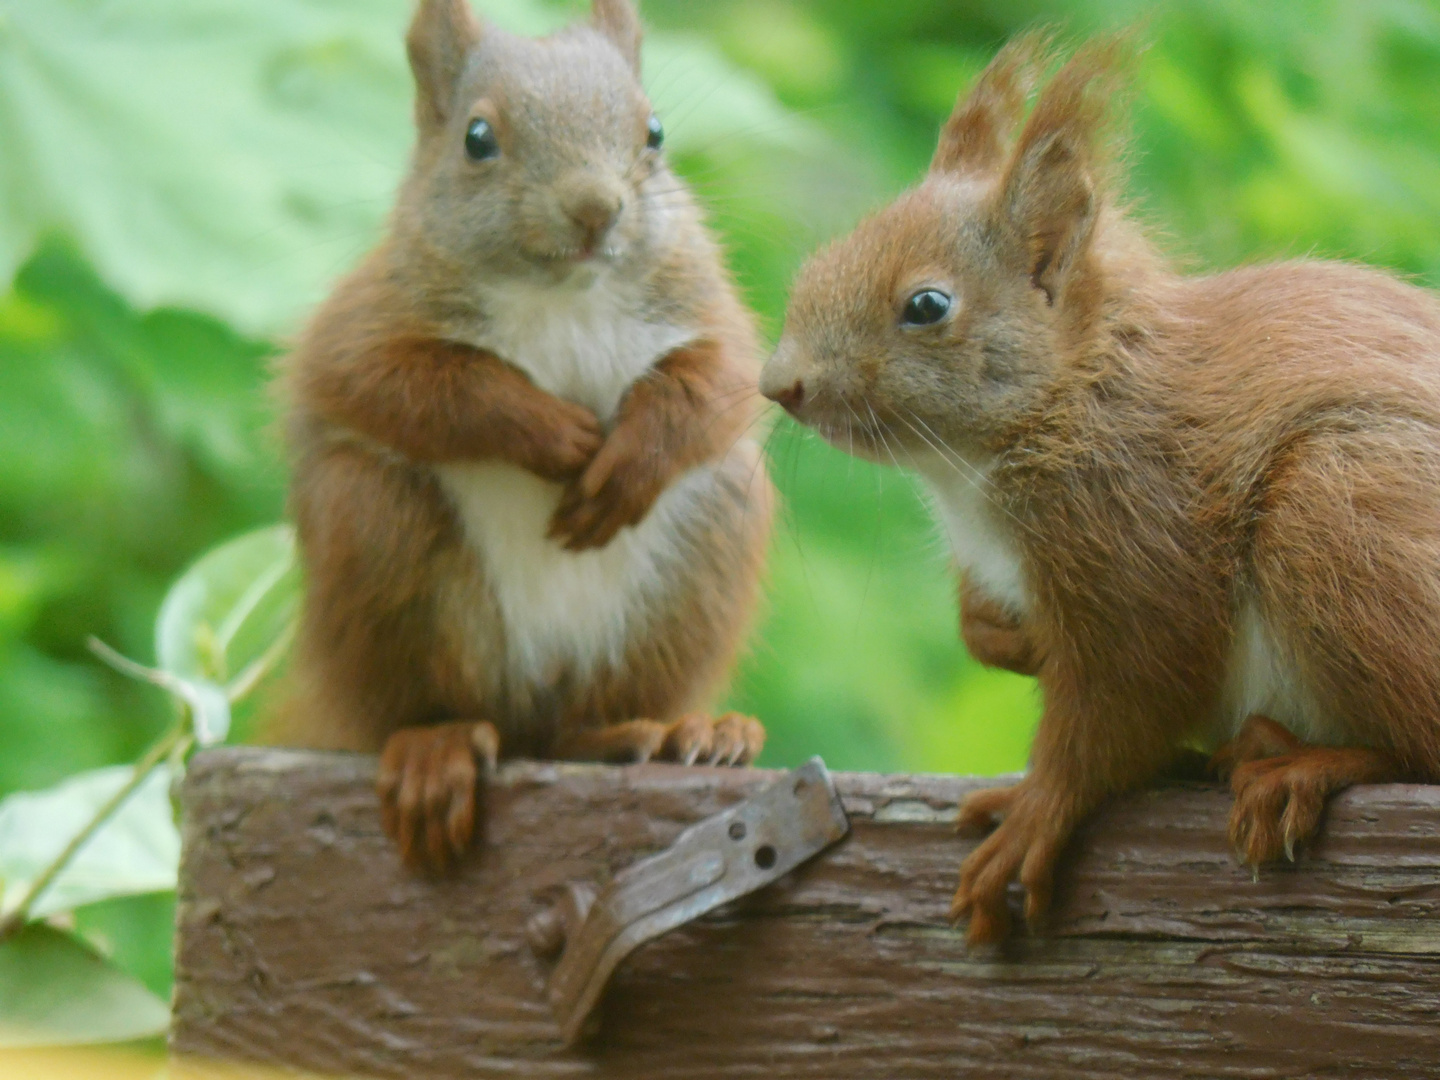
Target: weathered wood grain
[(302, 943)]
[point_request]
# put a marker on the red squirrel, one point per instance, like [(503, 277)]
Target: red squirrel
[(1200, 509), (531, 518)]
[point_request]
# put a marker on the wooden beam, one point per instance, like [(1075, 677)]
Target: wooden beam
[(302, 943)]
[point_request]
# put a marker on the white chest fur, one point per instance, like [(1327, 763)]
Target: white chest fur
[(564, 609), (585, 341), (974, 525)]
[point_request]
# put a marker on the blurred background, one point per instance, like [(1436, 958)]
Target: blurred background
[(180, 180)]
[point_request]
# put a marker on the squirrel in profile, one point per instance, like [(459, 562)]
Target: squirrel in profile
[(1205, 511), (531, 519)]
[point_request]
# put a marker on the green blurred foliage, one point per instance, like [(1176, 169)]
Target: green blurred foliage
[(174, 195), (54, 990), (131, 443)]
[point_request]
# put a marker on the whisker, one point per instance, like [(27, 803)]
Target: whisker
[(879, 519), (974, 476)]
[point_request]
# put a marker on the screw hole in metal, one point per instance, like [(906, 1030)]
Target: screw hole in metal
[(737, 830), (765, 857)]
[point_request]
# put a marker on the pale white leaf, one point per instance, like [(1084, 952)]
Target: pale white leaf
[(137, 851)]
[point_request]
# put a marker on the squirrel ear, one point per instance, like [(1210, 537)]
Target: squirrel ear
[(973, 139), (620, 22), (1049, 196), (441, 36)]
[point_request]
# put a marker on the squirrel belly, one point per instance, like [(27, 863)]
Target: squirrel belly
[(563, 610), (1265, 678), (586, 340)]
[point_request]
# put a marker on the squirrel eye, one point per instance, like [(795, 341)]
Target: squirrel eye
[(480, 141), (656, 138), (927, 307)]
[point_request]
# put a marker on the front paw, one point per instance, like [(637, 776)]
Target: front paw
[(1277, 806), (732, 739), (1279, 800), (1258, 738), (426, 783), (563, 443), (994, 635), (1026, 845), (697, 739), (617, 490)]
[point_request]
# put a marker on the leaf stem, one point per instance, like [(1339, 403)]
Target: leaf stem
[(179, 735), (253, 675)]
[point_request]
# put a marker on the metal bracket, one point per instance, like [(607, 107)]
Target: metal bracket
[(720, 859)]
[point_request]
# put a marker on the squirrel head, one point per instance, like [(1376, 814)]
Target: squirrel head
[(534, 157), (942, 320)]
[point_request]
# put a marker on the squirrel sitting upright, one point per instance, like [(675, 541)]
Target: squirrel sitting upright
[(1200, 508), (530, 516)]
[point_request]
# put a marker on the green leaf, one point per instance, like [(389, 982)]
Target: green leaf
[(711, 107), (56, 992), (136, 934), (216, 154), (137, 851), (228, 611)]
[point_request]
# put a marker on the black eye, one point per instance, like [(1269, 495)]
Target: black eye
[(657, 134), (927, 307), (480, 141)]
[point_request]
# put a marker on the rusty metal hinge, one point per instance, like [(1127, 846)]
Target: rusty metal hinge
[(715, 861)]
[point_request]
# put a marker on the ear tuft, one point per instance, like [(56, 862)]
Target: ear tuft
[(441, 36), (973, 140), (1050, 195), (620, 22)]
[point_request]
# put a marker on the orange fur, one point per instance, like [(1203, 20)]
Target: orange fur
[(673, 419), (1188, 484), (994, 635)]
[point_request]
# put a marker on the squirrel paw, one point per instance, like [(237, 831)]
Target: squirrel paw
[(982, 810), (994, 636), (552, 438), (616, 490), (426, 783), (1258, 738), (573, 439), (1026, 845), (1279, 800), (732, 739)]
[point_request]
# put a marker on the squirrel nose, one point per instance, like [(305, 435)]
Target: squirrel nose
[(596, 215), (789, 398)]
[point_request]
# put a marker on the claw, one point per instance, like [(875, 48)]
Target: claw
[(1242, 834), (1255, 873), (427, 782), (485, 741), (959, 908), (1290, 847)]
